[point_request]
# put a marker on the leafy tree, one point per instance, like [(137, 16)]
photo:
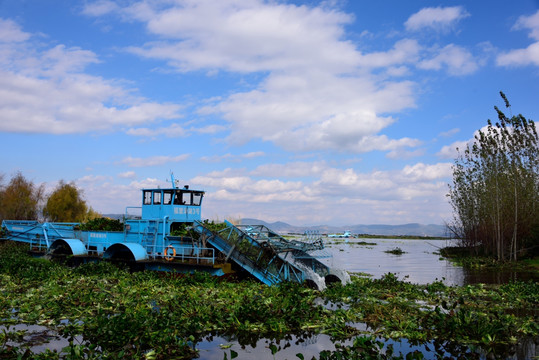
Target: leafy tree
[(91, 214), (20, 199), (495, 189), (65, 204)]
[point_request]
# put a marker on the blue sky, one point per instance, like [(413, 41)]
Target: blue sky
[(308, 112)]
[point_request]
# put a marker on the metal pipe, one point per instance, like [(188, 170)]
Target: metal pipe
[(45, 227), (165, 218)]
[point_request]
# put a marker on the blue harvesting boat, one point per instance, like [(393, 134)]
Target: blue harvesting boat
[(152, 241)]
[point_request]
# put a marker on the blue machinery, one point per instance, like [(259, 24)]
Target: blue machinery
[(147, 241)]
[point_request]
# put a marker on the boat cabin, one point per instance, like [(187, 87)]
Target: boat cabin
[(181, 205)]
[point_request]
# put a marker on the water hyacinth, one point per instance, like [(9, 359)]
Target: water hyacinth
[(103, 311)]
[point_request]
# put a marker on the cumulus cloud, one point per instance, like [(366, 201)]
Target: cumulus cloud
[(520, 57), (457, 60), (529, 23), (304, 112), (10, 32), (111, 197), (245, 36), (374, 196), (316, 92), (47, 91), (427, 172), (528, 55), (436, 18), (404, 51)]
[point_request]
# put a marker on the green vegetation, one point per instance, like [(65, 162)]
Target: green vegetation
[(467, 259), (349, 242), (495, 190), (65, 204), (363, 243), (395, 251), (19, 200), (110, 313), (101, 224)]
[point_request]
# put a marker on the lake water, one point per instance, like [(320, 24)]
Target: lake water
[(420, 263)]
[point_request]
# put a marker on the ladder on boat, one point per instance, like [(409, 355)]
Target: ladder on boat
[(264, 254)]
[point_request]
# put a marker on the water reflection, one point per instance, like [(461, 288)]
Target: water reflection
[(312, 345), (214, 347), (36, 337)]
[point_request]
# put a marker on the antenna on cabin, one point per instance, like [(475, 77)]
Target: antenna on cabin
[(173, 181)]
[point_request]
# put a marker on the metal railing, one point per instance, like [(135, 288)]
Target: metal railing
[(183, 253)]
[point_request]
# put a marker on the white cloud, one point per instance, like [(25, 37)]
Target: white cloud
[(10, 31), (108, 197), (174, 130), (304, 112), (456, 59), (404, 51), (317, 92), (324, 195), (127, 175), (449, 133), (153, 160), (209, 129), (295, 169), (436, 18), (327, 194), (422, 171), (48, 92), (245, 36), (450, 151), (528, 55), (99, 8), (529, 23), (401, 154), (520, 57), (253, 154)]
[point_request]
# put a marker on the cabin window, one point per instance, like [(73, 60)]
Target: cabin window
[(186, 198), (182, 198), (197, 198), (157, 197), (167, 197), (178, 198), (147, 198)]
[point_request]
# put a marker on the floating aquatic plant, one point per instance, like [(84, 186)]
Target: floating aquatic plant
[(108, 312), (395, 251)]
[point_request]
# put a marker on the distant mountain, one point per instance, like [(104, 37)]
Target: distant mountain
[(114, 216), (413, 229)]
